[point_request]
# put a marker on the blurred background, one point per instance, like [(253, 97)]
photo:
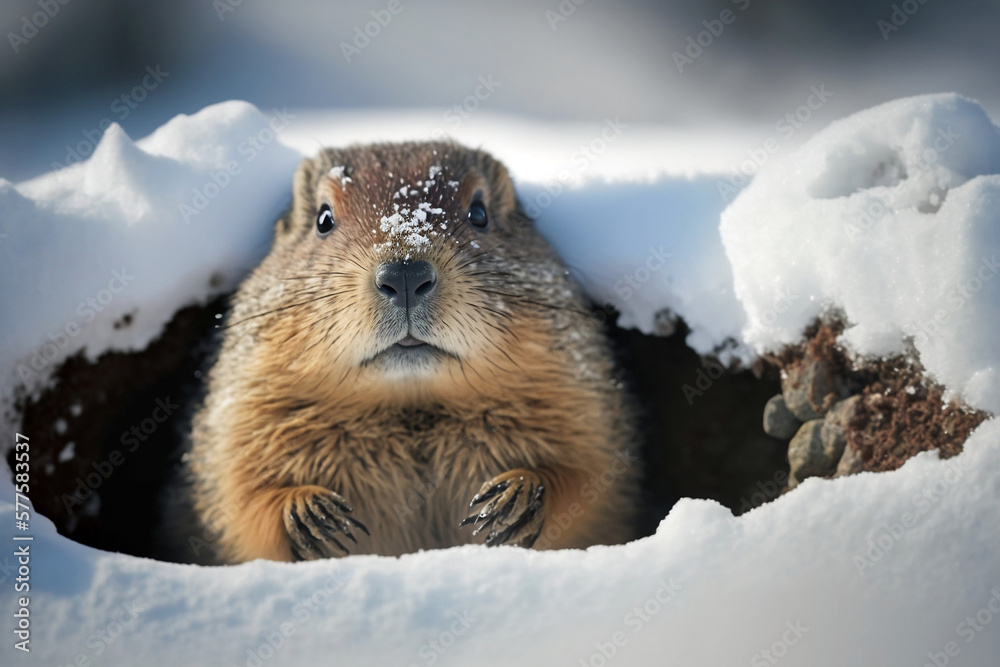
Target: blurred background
[(725, 64)]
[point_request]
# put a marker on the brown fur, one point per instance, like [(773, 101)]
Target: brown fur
[(528, 389)]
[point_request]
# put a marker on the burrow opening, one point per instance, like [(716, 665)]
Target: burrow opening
[(106, 436)]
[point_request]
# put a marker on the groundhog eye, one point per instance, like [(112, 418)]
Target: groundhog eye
[(477, 214), (324, 220)]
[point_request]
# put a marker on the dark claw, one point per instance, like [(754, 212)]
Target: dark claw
[(342, 519), (337, 503), (506, 509), (504, 535), (345, 528), (340, 545), (357, 524), (536, 498), (476, 518), (328, 518), (487, 524), (316, 528), (342, 506), (303, 538), (529, 513), (492, 491), (486, 511), (327, 531), (496, 538), (493, 513)]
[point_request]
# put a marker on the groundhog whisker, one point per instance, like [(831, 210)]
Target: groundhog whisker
[(467, 262), (521, 299), (339, 354), (500, 327), (466, 375), (509, 358), (352, 260), (343, 378), (495, 311), (318, 293), (276, 310)]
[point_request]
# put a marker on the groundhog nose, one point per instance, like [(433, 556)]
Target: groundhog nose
[(405, 283)]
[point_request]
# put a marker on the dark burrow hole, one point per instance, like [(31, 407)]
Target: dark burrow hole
[(700, 426), (122, 417)]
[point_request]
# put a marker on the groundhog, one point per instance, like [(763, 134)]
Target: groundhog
[(411, 367)]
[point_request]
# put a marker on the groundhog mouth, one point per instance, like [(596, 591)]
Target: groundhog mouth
[(410, 341), (408, 354)]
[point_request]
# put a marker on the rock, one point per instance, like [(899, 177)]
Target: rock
[(664, 323), (834, 440), (810, 387), (834, 431), (820, 444), (840, 413), (792, 483), (850, 463), (779, 422), (808, 455)]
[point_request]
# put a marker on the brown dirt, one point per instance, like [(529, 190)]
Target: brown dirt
[(107, 494), (901, 412)]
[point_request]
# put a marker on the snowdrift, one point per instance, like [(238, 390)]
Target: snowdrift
[(890, 216)]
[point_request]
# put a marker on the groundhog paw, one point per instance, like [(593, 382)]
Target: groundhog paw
[(513, 513), (317, 522)]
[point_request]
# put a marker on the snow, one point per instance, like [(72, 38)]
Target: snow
[(710, 590), (893, 217), (141, 229), (643, 248), (891, 569), (340, 173), (67, 453), (409, 226)]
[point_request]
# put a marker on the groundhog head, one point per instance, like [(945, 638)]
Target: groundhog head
[(408, 266)]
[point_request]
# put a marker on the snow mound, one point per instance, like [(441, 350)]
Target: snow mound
[(98, 256), (647, 248), (891, 569), (876, 569), (893, 217)]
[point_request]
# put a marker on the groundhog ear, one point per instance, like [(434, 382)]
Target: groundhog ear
[(283, 226), (303, 185), (501, 184)]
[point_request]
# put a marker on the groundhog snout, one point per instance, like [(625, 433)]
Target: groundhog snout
[(406, 284)]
